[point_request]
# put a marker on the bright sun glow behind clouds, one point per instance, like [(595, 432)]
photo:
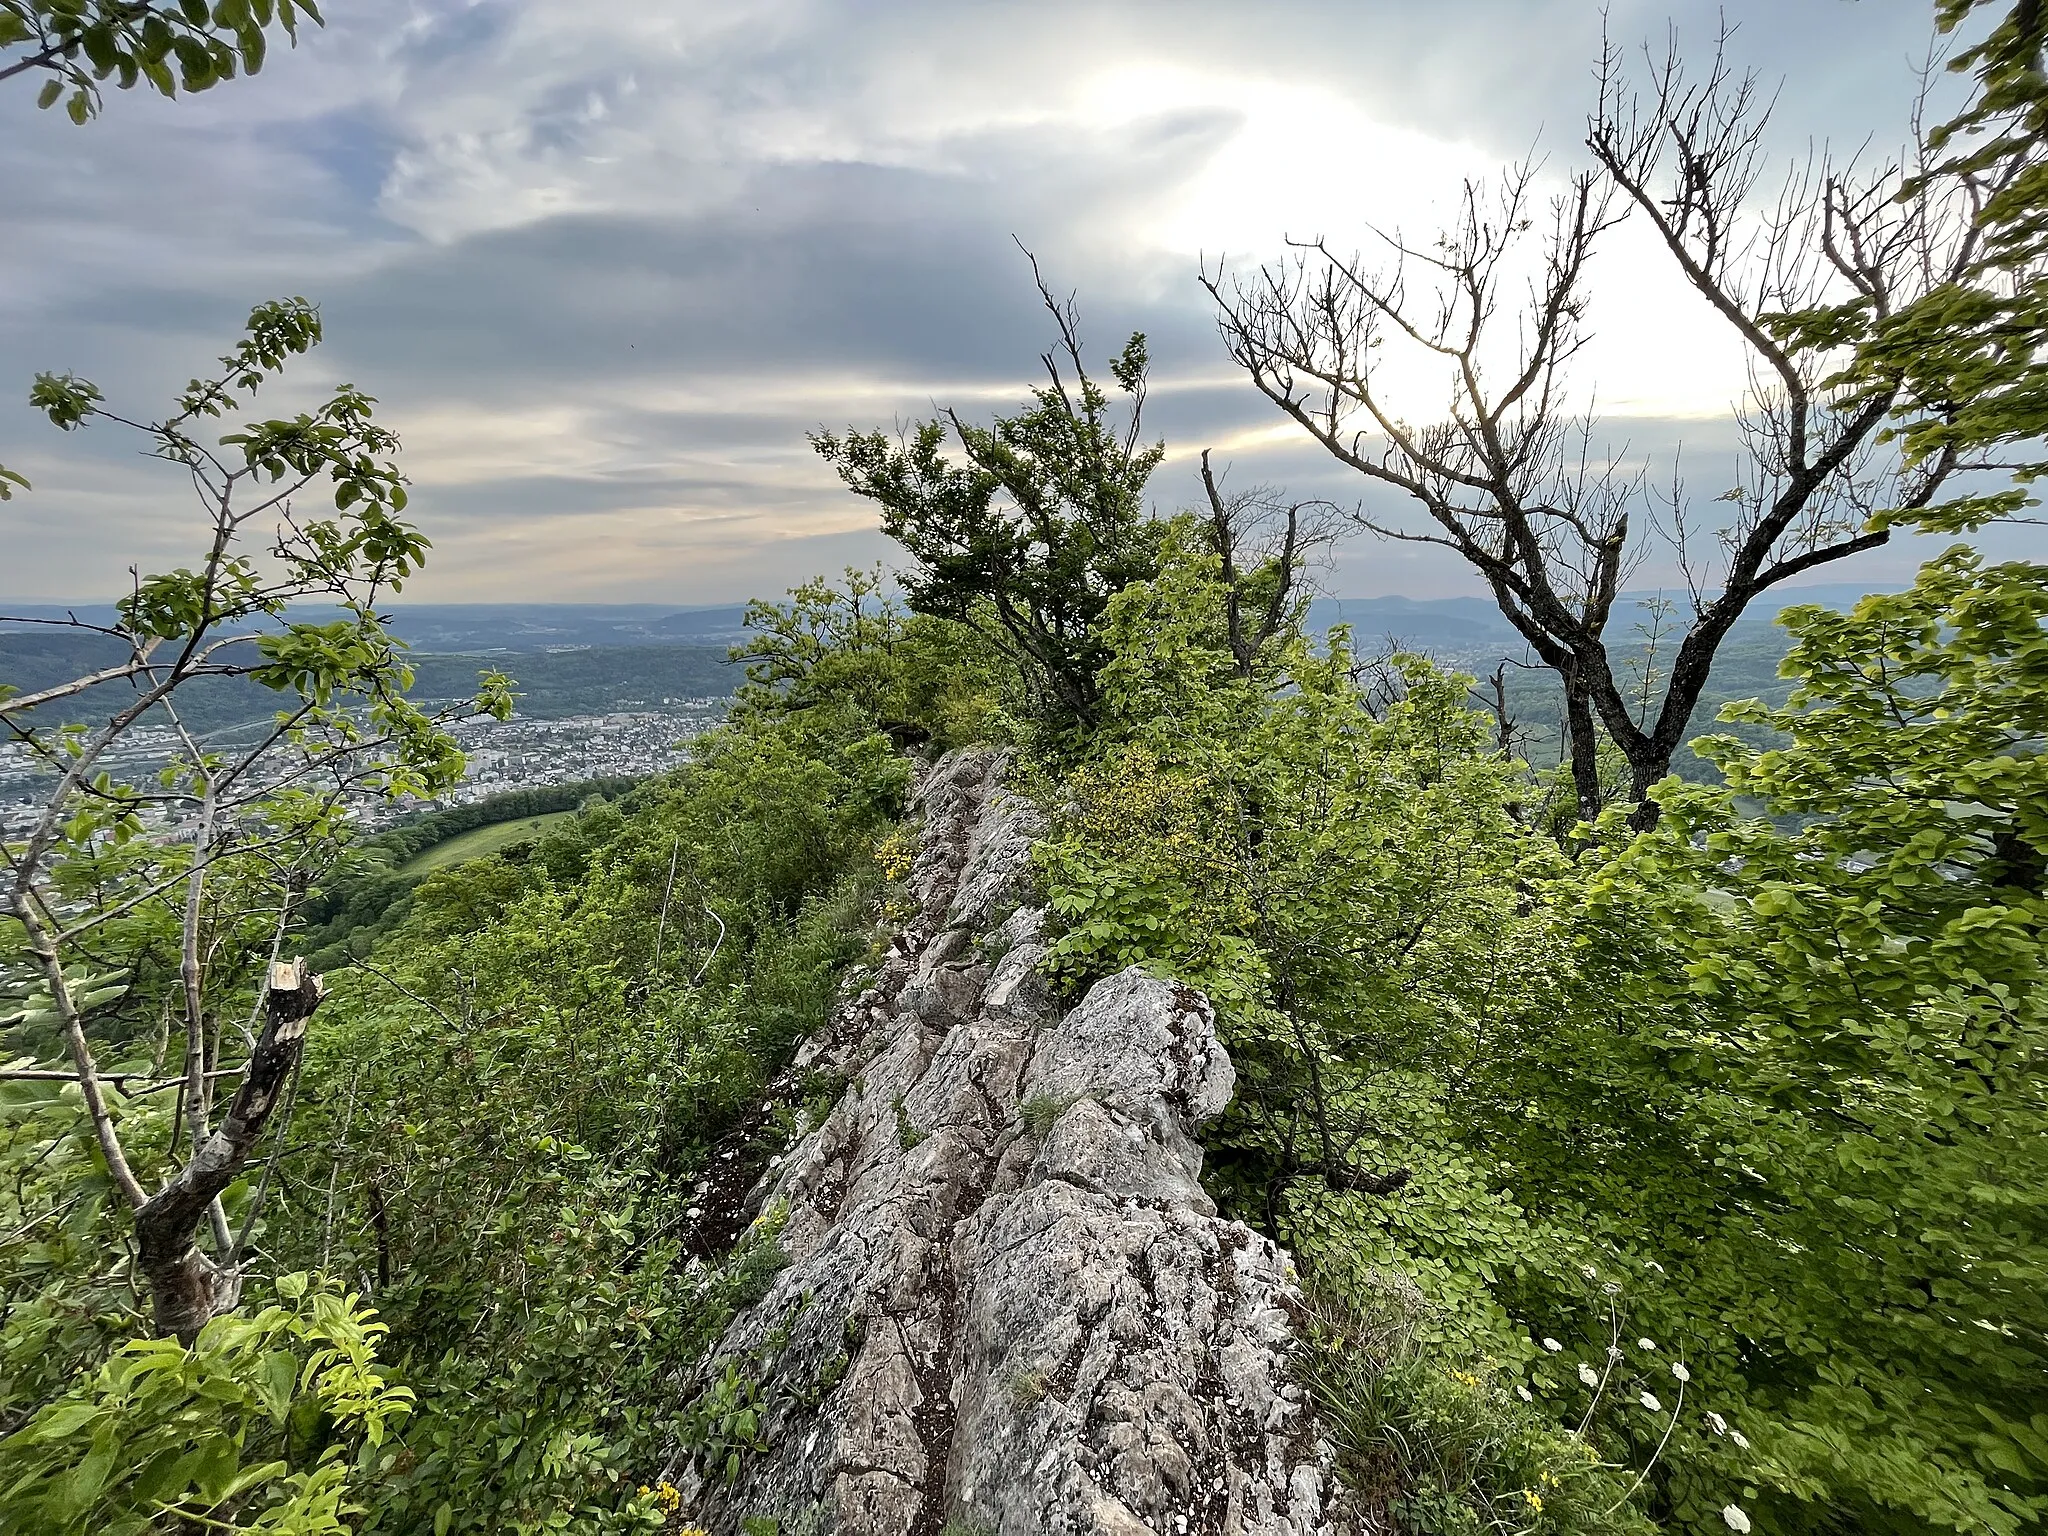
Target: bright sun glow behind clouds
[(605, 266), (1302, 161), (1305, 162)]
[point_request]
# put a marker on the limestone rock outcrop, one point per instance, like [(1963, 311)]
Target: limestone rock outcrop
[(1009, 1306)]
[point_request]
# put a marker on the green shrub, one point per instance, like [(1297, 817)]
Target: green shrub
[(1441, 1446), (251, 1428)]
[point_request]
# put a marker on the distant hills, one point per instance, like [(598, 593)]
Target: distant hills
[(1453, 622), (468, 627), (596, 658), (553, 682), (472, 628)]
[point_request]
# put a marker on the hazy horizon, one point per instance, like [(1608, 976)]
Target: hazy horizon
[(1766, 603)]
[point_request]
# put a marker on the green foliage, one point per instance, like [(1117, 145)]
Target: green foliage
[(514, 839), (121, 944), (1030, 537), (536, 1125), (63, 1270), (542, 1413), (369, 892), (416, 834), (1854, 1005), (724, 1426), (1716, 1150), (1337, 880), (1041, 1112), (77, 44), (248, 1429), (1441, 1447), (340, 442), (908, 1135), (923, 681), (1961, 365), (1760, 1089), (343, 720)]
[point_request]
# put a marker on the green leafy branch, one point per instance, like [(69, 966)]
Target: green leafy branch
[(189, 46)]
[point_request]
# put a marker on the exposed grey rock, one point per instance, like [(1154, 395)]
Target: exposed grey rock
[(1026, 1331)]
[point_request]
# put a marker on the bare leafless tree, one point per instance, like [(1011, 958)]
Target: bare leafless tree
[(1515, 477), (1264, 542)]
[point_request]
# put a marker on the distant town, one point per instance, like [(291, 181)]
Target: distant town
[(521, 753), (518, 753)]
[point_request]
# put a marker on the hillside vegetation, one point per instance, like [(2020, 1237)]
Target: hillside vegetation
[(464, 846), (1657, 1150), (368, 890)]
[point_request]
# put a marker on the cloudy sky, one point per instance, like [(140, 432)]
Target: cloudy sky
[(604, 265)]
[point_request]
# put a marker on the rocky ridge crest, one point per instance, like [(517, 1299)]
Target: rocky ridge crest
[(1009, 1307)]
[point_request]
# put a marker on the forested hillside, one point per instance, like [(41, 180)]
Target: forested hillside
[(1570, 1134), (369, 892), (552, 685)]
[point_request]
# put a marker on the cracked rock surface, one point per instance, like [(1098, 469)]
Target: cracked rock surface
[(1009, 1305)]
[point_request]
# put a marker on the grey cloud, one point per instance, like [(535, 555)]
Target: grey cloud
[(822, 265), (767, 218)]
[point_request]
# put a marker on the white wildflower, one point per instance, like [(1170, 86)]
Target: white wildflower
[(1653, 1264), (1552, 1345), (1646, 1343), (1525, 1394), (1741, 1440), (1678, 1369), (1738, 1522), (695, 1211), (1588, 1375), (1717, 1424), (1649, 1401)]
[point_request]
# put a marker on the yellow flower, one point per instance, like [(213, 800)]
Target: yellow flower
[(668, 1499), (1535, 1503)]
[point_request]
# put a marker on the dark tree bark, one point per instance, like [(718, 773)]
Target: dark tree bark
[(188, 1289)]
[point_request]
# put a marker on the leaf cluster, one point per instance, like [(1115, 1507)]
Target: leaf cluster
[(190, 45), (1765, 1085), (249, 1428), (521, 1122), (1039, 525)]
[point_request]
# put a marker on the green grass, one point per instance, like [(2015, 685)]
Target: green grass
[(478, 841)]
